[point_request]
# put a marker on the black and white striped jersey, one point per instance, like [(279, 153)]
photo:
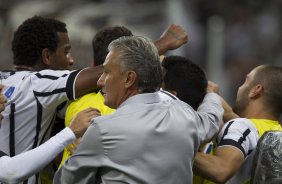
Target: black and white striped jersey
[(33, 100), (240, 133), (243, 135)]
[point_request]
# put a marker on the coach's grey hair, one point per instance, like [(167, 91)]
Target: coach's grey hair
[(140, 55)]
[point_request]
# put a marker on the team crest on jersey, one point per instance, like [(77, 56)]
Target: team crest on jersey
[(10, 93)]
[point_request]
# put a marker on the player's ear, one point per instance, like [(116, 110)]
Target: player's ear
[(256, 91), (46, 56)]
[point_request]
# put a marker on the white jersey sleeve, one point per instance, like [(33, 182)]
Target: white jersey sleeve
[(51, 87), (239, 133), (18, 168), (34, 100)]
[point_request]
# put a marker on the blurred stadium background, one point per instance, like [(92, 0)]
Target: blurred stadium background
[(227, 38)]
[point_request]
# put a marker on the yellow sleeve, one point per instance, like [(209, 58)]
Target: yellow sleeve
[(95, 100)]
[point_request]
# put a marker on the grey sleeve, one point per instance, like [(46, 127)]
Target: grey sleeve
[(83, 165), (210, 114)]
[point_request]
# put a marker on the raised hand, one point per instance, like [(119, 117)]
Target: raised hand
[(212, 87), (172, 38)]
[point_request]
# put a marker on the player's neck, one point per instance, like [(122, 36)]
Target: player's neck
[(36, 67), (259, 111), (23, 68)]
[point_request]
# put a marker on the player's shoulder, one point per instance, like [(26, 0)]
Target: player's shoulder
[(240, 122), (82, 102), (14, 75), (51, 73)]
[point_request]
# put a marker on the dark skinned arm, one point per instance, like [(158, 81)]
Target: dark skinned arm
[(86, 80), (172, 38)]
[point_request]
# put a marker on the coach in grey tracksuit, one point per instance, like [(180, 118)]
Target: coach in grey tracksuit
[(146, 140)]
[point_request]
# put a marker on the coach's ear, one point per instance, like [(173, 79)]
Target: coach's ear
[(130, 78)]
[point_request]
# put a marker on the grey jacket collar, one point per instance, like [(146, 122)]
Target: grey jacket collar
[(145, 98)]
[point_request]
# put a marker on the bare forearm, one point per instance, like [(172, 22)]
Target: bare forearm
[(87, 80), (227, 116), (219, 167), (207, 166), (160, 47), (228, 111)]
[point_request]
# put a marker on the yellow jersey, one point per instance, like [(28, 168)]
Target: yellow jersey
[(95, 100), (262, 125)]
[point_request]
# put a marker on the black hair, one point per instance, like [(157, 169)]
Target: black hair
[(34, 35), (103, 38), (186, 78)]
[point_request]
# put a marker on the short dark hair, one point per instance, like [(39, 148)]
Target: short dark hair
[(271, 78), (34, 35), (186, 78), (103, 38)]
